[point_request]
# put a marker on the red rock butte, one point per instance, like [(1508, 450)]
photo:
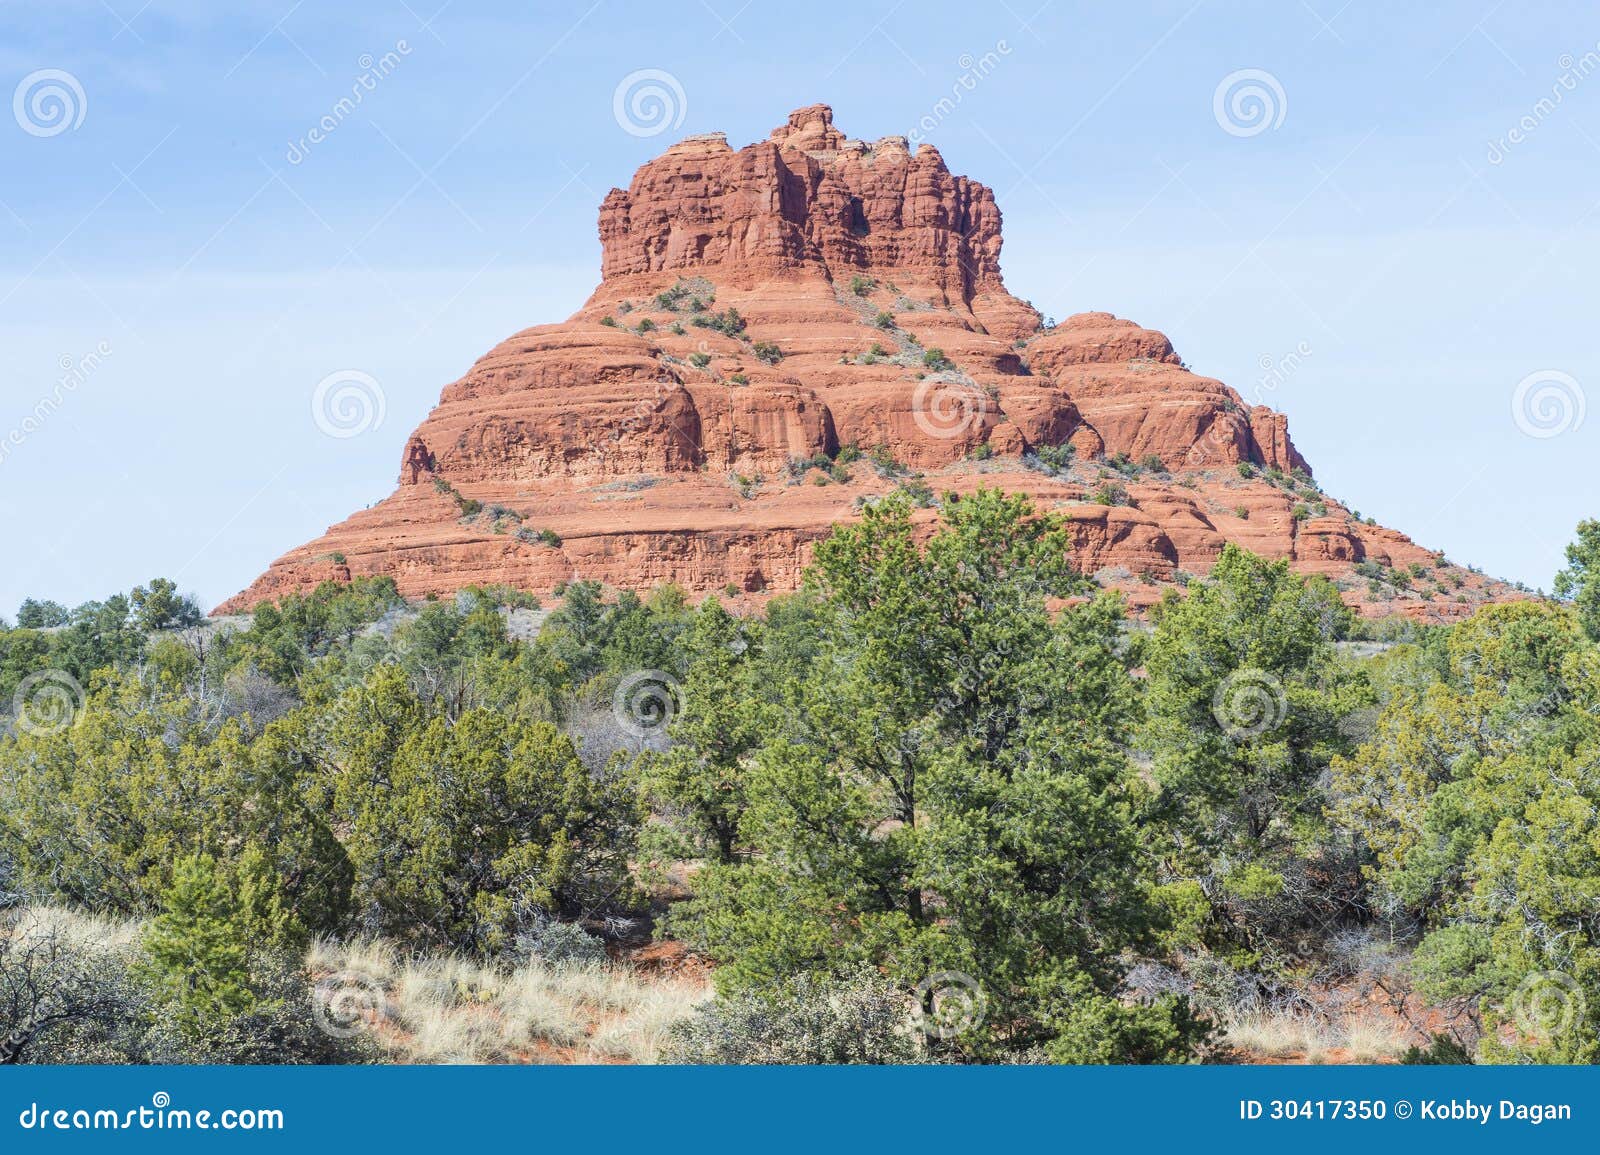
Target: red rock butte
[(788, 330)]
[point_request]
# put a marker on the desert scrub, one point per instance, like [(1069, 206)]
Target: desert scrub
[(690, 293), (882, 459), (532, 536), (767, 351), (467, 507), (798, 467), (1051, 460), (1124, 464), (1110, 493), (501, 516), (729, 322), (447, 1008), (813, 1020), (1284, 1035), (80, 988)]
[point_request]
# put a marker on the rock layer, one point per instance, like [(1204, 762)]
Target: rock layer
[(785, 331)]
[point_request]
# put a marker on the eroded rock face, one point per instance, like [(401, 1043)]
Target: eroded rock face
[(792, 328), (807, 199)]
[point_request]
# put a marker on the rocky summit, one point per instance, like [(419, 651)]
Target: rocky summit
[(786, 331)]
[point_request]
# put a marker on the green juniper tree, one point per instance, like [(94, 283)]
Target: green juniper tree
[(98, 812), (460, 825), (700, 782), (1477, 795), (1244, 698), (159, 606), (196, 949), (1580, 581), (950, 798)]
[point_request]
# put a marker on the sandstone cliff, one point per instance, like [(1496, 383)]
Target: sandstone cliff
[(787, 330)]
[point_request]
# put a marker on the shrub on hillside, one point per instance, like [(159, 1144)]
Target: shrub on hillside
[(860, 1018), (558, 943)]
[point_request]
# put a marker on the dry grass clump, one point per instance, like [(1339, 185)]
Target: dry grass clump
[(449, 1009), (1283, 1036), (1371, 1040), (70, 927)]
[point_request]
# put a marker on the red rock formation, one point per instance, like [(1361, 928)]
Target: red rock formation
[(766, 308)]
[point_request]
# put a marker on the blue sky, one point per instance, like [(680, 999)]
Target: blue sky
[(200, 280)]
